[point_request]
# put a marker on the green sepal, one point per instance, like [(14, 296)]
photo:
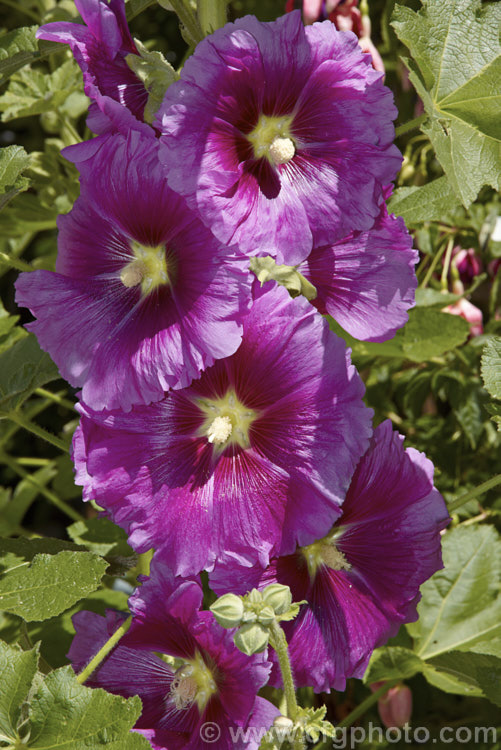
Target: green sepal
[(288, 276), (155, 72)]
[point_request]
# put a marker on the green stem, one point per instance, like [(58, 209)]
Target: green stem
[(279, 643), (411, 125), (433, 265), (366, 704), (19, 265), (104, 651), (134, 9), (212, 14), (475, 492), (186, 15), (17, 6), (74, 137), (27, 461), (445, 268), (40, 432), (56, 397), (50, 496)]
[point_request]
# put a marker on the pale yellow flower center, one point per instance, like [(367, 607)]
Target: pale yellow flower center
[(324, 552), (193, 682), (149, 269), (272, 139), (227, 421)]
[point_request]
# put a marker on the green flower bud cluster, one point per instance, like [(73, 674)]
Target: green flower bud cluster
[(253, 615)]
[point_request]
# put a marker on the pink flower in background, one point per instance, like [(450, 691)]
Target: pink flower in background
[(470, 313), (395, 707), (346, 16), (467, 263)]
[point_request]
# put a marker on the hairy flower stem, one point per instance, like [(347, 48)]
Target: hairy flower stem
[(211, 14), (411, 125), (475, 492), (279, 643), (40, 432), (104, 651), (188, 19)]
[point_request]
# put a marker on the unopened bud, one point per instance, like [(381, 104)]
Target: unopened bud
[(278, 597), (228, 610), (266, 616), (395, 708), (251, 638)]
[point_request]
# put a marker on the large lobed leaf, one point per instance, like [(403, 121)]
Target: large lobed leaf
[(456, 68), (62, 713), (40, 578), (457, 639)]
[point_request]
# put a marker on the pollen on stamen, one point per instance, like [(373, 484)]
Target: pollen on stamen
[(281, 150), (132, 275), (183, 690), (220, 430)]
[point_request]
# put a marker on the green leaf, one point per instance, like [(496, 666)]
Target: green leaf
[(392, 662), (101, 536), (9, 331), (13, 162), (38, 584), (288, 276), (23, 368), (13, 510), (433, 298), (33, 92), (430, 333), (69, 716), (310, 722), (491, 367), (17, 671), (57, 633), (156, 73), (460, 609), (16, 46), (466, 674), (456, 68), (427, 203)]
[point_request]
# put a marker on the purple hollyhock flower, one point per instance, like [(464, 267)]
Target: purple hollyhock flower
[(118, 96), (280, 135), (362, 580), (251, 459), (366, 281), (144, 297), (204, 678)]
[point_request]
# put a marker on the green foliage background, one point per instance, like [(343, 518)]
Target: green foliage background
[(440, 387)]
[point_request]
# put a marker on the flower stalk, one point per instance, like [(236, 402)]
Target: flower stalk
[(104, 651)]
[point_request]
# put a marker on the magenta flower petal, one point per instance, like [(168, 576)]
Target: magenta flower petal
[(122, 343), (213, 682), (289, 405), (362, 580), (366, 281), (118, 96), (251, 83)]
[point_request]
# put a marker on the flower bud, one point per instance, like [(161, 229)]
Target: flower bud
[(254, 597), (266, 616), (278, 597), (251, 638), (395, 708), (228, 610), (282, 727)]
